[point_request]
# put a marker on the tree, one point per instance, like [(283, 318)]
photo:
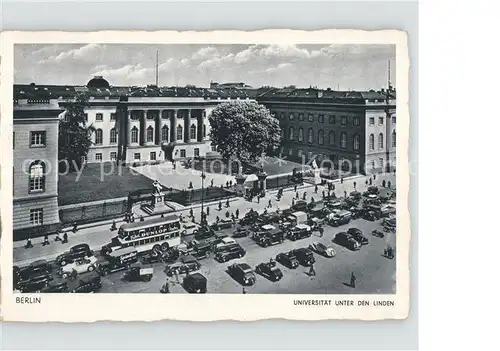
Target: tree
[(244, 130), (75, 138)]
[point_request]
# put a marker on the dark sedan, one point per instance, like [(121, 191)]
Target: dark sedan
[(269, 270), (288, 259)]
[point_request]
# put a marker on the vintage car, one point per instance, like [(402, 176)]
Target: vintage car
[(300, 205), (79, 266), (322, 249), (88, 283), (204, 233), (288, 259), (269, 270), (340, 218), (268, 218), (59, 287), (304, 256), (347, 241), (199, 249), (36, 269), (34, 283), (229, 253), (189, 228), (357, 234), (185, 264), (249, 218), (224, 223), (300, 231), (242, 273), (273, 237), (241, 232), (224, 242), (139, 273), (74, 253), (195, 283), (356, 195)]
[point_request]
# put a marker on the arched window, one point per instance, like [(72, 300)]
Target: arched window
[(371, 142), (343, 140), (192, 131), (37, 176), (179, 132), (331, 138), (356, 142), (164, 133), (393, 138), (291, 133), (310, 136), (112, 136), (98, 136), (301, 134), (321, 137), (149, 134), (134, 135), (381, 141)]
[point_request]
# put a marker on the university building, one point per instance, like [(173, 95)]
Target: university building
[(35, 174), (359, 127)]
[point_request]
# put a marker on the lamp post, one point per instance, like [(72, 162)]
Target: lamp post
[(203, 176)]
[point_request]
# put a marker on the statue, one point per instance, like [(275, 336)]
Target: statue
[(314, 165), (157, 186)]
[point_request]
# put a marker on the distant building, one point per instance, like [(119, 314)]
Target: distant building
[(359, 127), (35, 173)]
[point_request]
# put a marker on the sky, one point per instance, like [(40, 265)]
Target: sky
[(348, 67)]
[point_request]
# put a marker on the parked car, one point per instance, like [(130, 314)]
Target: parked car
[(185, 264), (199, 249), (34, 283), (74, 253), (88, 283), (224, 223), (304, 256), (59, 287), (189, 228), (242, 272), (288, 259), (269, 270), (322, 249), (373, 189), (249, 218), (357, 234), (241, 232), (138, 272), (107, 267), (80, 265), (300, 205), (224, 242), (347, 241), (229, 253), (340, 218), (300, 231), (204, 233), (195, 283), (35, 268), (274, 237)]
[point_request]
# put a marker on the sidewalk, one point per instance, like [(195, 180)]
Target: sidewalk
[(99, 234)]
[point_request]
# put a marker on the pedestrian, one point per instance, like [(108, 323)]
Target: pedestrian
[(237, 212), (217, 219), (45, 240), (312, 200), (65, 238), (304, 195), (113, 225), (233, 217), (345, 193), (312, 272), (297, 195), (141, 219), (323, 194), (333, 187), (162, 216), (366, 182), (228, 214), (227, 203), (353, 280), (341, 180), (374, 176), (212, 183), (354, 185), (208, 210), (389, 184), (176, 275), (230, 183), (220, 205), (383, 183), (191, 214), (75, 227), (293, 201), (28, 244), (190, 185), (316, 189), (270, 205), (58, 238), (370, 181), (295, 188), (258, 199), (244, 291), (227, 184), (328, 193)]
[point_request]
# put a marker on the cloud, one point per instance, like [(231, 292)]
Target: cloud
[(131, 74), (86, 53), (205, 53), (280, 67)]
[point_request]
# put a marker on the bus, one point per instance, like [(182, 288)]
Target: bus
[(158, 234)]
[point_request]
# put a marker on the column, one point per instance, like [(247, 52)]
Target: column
[(157, 136), (206, 124), (187, 126), (199, 126), (173, 126), (142, 129)]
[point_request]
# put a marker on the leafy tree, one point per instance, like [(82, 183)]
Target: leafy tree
[(75, 138), (244, 130)]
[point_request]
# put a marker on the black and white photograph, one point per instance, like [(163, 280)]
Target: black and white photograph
[(205, 168)]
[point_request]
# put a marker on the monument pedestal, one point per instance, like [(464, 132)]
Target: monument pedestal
[(240, 184), (157, 205)]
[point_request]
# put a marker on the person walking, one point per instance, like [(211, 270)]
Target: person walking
[(316, 189), (370, 181), (341, 180), (45, 240), (227, 203), (237, 212), (323, 194), (353, 280), (295, 188), (312, 272), (208, 210), (258, 199), (220, 205), (65, 238), (304, 195), (345, 193), (28, 245), (297, 195), (389, 184), (354, 183), (113, 226), (270, 204), (293, 201)]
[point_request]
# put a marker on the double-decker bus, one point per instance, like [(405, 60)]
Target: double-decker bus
[(157, 234)]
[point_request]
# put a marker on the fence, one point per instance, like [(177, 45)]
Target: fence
[(92, 213), (194, 196)]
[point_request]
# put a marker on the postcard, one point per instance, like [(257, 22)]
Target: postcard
[(205, 176)]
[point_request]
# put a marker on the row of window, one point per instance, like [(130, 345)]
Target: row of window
[(137, 155), (371, 141), (321, 138), (332, 119), (134, 134), (99, 117)]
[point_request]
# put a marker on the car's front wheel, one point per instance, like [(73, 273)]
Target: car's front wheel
[(91, 268)]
